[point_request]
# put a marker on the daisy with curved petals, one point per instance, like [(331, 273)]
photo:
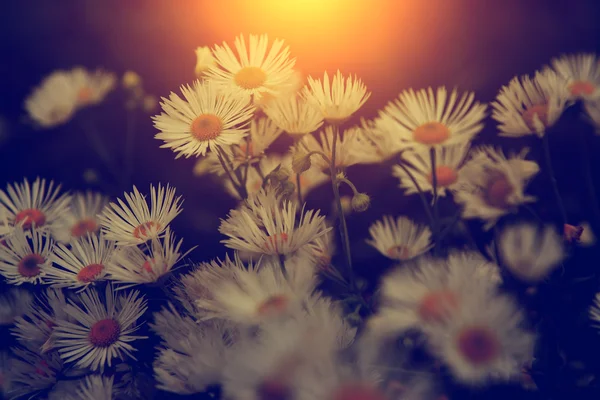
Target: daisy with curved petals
[(255, 70), (26, 257), (81, 264), (257, 293), (13, 304), (449, 160), (54, 102), (399, 239), (37, 205), (294, 115), (102, 329), (529, 106), (82, 217), (199, 283), (492, 185), (426, 118), (137, 222), (582, 73), (484, 341), (205, 119), (529, 253), (204, 61), (133, 266), (337, 100), (95, 387), (91, 87), (267, 226)]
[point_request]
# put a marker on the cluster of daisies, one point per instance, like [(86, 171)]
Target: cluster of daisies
[(261, 322)]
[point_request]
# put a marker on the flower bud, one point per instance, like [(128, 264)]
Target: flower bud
[(301, 163), (360, 202), (131, 80)]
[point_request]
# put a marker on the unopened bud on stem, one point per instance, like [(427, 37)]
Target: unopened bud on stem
[(360, 202)]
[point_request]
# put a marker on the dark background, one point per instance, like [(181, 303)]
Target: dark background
[(392, 45)]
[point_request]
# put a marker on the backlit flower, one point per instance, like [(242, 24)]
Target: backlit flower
[(205, 119), (102, 329), (37, 205), (399, 239), (204, 61), (54, 102), (294, 115), (26, 258), (82, 217), (530, 253), (530, 106), (255, 70), (337, 100), (426, 118), (91, 87), (582, 74), (137, 222)]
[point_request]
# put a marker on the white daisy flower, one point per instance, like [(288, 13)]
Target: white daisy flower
[(82, 217), (30, 373), (54, 102), (484, 340), (81, 264), (13, 304), (267, 225), (204, 61), (384, 143), (35, 328), (91, 87), (448, 162), (133, 266), (26, 257), (426, 118), (427, 293), (193, 355), (582, 74), (337, 100), (594, 311), (258, 293), (200, 282), (95, 387), (263, 132), (103, 328), (321, 251), (206, 119), (254, 71), (492, 185), (399, 239), (137, 222), (294, 115), (5, 226), (38, 204), (350, 148), (529, 106), (529, 253)]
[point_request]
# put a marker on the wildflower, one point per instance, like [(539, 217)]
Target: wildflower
[(294, 115), (581, 73), (399, 239), (81, 218), (26, 258)]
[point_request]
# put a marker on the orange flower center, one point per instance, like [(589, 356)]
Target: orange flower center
[(104, 333), (355, 391), (539, 110), (478, 345), (273, 305), (89, 273), (498, 191), (148, 264), (431, 133), (445, 176), (29, 266), (29, 217), (206, 127), (436, 305), (85, 95), (582, 88), (250, 77), (399, 252), (273, 242), (83, 227), (145, 230)]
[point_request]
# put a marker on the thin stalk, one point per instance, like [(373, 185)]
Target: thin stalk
[(237, 172), (298, 189), (282, 265), (343, 227), (421, 193), (559, 202), (434, 182), (226, 168)]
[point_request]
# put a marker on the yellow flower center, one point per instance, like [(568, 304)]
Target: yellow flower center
[(478, 345), (445, 176), (206, 127), (250, 77), (579, 88), (431, 133)]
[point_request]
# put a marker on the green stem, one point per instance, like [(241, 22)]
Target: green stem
[(299, 190), (436, 219), (343, 227), (226, 168), (559, 202)]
